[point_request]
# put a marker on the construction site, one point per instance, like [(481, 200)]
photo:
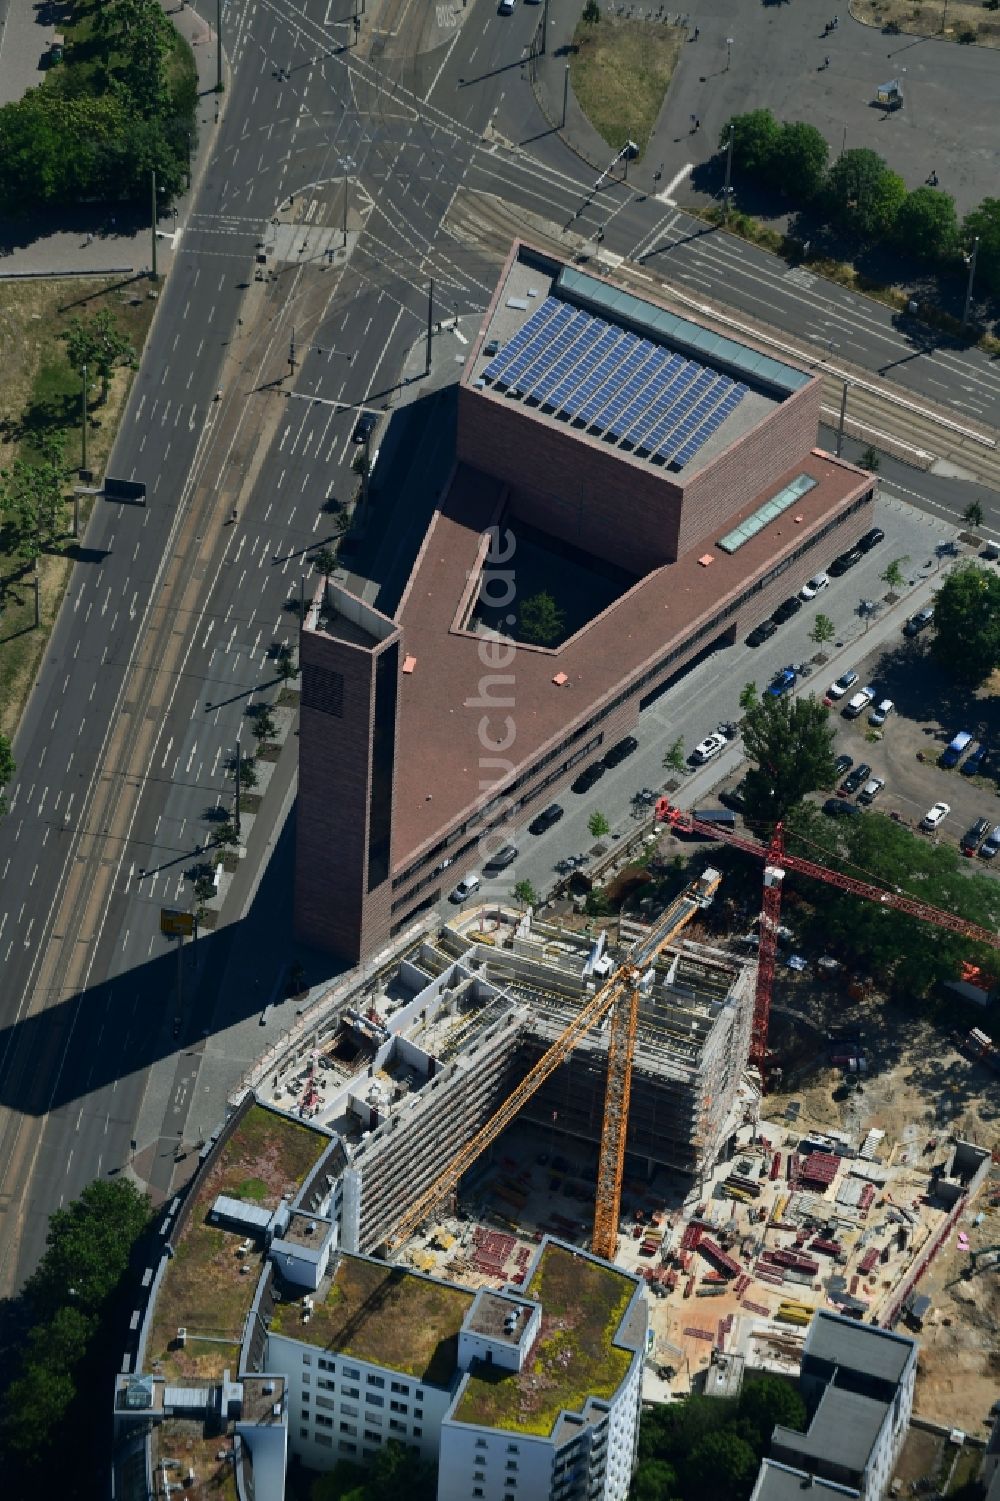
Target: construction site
[(741, 1213)]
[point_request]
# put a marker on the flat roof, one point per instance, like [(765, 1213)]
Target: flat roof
[(859, 1347), (575, 1358), (843, 1429), (382, 1314), (778, 1482), (267, 1157), (490, 1313), (440, 773)]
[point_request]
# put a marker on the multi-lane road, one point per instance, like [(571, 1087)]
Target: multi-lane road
[(164, 638)]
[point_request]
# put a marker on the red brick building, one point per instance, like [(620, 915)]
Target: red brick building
[(665, 472)]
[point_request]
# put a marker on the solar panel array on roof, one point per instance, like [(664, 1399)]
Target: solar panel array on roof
[(628, 390)]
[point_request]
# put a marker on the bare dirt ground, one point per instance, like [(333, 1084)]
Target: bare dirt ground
[(917, 1080)]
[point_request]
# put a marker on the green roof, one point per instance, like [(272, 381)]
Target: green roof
[(583, 1303), (267, 1156), (386, 1315)]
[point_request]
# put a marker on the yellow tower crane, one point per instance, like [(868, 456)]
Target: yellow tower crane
[(620, 996)]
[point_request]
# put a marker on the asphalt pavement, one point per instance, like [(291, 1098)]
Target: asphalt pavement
[(165, 636)]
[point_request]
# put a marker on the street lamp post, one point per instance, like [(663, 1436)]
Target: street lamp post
[(970, 261), (565, 95), (727, 189), (218, 46), (430, 317), (83, 424), (729, 52), (152, 199), (236, 803)]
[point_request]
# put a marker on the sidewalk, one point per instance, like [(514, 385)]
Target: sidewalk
[(95, 239)]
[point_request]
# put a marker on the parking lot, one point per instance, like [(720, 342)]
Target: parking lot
[(929, 710)]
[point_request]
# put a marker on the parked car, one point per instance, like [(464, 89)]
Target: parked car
[(617, 754), (854, 779), (857, 705), (546, 819), (974, 764), (842, 766), (590, 774), (788, 607), (709, 748), (364, 427), (815, 584), (990, 846), (781, 683), (955, 749), (840, 687), (871, 789), (505, 8), (491, 348), (919, 622), (839, 807), (762, 633), (871, 539), (845, 561), (505, 855), (465, 888), (935, 816), (974, 836), (881, 711)]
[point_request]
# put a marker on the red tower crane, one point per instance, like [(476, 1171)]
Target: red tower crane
[(776, 862)]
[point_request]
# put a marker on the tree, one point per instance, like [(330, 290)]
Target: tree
[(754, 138), (823, 630), (892, 573), (721, 1464), (248, 772), (983, 224), (88, 1246), (591, 12), (264, 727), (909, 956), (224, 835), (31, 500), (770, 1400), (870, 460), (7, 770), (286, 665), (673, 757), (204, 890), (654, 1480), (799, 156), (973, 515), (525, 893), (927, 226), (862, 195), (598, 825), (790, 740), (967, 623), (325, 561), (542, 620), (748, 697), (98, 343)]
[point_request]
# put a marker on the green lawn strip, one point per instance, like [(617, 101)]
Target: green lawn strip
[(43, 395), (620, 71)]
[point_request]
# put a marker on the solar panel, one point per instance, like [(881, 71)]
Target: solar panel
[(607, 362), (705, 428), (556, 360), (539, 319), (636, 369), (680, 397), (648, 398), (535, 347), (596, 335)]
